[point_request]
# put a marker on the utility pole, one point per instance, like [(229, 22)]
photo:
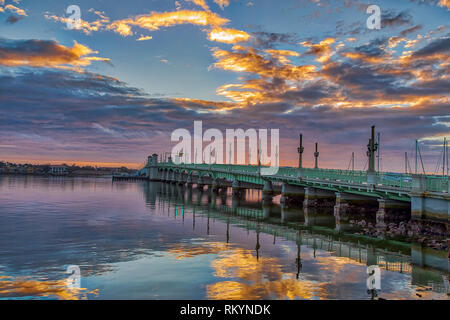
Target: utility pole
[(417, 154), (446, 148), (444, 157), (371, 149), (378, 154), (353, 161), (300, 151), (316, 156), (406, 162)]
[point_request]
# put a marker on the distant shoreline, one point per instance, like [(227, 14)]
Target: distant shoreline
[(59, 176)]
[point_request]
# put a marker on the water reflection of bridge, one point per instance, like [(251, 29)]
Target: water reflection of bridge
[(389, 256)]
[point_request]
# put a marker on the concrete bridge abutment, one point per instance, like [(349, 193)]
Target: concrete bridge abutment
[(218, 185), (189, 180), (238, 189), (268, 191), (319, 198), (292, 194), (200, 183), (431, 206), (172, 177), (318, 216), (215, 186), (267, 206), (289, 214), (181, 181)]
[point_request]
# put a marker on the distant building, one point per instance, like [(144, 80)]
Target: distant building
[(59, 170)]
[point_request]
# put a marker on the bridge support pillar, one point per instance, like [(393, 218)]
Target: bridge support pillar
[(215, 185), (153, 173), (320, 198), (175, 178), (292, 194), (391, 210), (168, 176), (432, 206), (235, 202), (267, 207), (207, 181), (189, 181), (200, 183), (237, 188), (171, 177), (268, 190), (348, 204), (291, 214), (181, 179), (318, 217), (213, 200)]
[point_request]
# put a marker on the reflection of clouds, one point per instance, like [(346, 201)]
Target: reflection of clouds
[(335, 264), (25, 287), (261, 278), (241, 263), (182, 251), (280, 289)]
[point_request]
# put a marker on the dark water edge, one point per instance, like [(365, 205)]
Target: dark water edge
[(141, 240)]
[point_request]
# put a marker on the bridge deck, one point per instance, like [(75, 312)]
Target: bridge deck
[(388, 185)]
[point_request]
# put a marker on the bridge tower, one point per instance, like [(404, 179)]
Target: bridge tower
[(372, 147), (300, 151), (152, 168), (316, 157)]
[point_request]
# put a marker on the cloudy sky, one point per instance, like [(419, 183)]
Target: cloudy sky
[(113, 90)]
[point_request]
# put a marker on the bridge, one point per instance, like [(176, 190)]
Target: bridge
[(427, 197), (388, 195)]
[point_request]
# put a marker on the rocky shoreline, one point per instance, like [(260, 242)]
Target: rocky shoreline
[(431, 234)]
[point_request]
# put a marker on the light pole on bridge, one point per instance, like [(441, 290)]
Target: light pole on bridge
[(300, 151), (372, 147), (316, 157)]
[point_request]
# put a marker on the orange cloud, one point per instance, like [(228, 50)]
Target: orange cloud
[(195, 104), (200, 3), (143, 38), (41, 53), (222, 3), (364, 57), (444, 3), (394, 41), (16, 10), (253, 62), (228, 35), (281, 55), (322, 50), (85, 26), (155, 21), (23, 287)]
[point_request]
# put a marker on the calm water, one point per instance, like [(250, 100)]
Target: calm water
[(136, 240)]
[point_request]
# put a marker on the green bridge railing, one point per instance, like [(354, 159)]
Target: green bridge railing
[(403, 182)]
